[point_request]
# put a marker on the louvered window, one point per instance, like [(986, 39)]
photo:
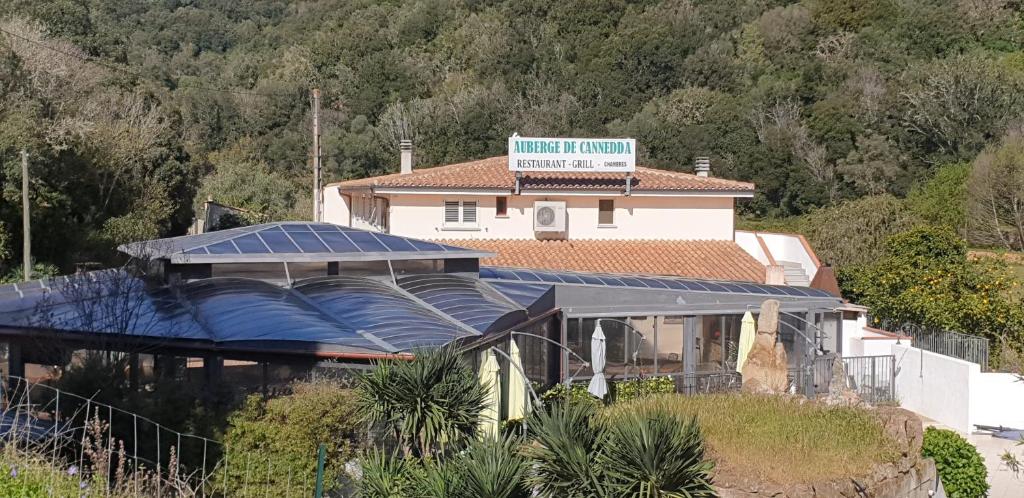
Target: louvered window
[(451, 213), (460, 214), (469, 213)]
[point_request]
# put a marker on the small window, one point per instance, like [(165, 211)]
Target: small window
[(605, 212), (451, 213), (501, 206), (469, 212), (460, 213)]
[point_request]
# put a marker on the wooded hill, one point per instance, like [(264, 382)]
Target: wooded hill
[(132, 110)]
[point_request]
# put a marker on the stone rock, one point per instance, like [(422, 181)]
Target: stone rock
[(839, 392), (766, 367)]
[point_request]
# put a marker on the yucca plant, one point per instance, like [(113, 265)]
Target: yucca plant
[(384, 475), (493, 468), (563, 451), (430, 404), (654, 454)]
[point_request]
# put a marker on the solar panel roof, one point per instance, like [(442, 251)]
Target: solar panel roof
[(648, 282), (332, 313), (466, 299), (294, 241)]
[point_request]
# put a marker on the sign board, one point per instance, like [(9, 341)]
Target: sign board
[(567, 155)]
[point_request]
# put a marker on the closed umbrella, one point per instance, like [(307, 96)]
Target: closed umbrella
[(489, 371), (516, 384), (747, 331), (598, 385)]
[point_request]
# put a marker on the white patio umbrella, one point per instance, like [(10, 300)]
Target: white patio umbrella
[(598, 384), (490, 379), (517, 405), (747, 332)]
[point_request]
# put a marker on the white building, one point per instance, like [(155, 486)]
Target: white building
[(660, 222)]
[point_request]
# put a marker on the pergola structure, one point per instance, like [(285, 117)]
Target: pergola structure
[(300, 293)]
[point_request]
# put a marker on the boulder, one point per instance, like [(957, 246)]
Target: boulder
[(765, 371)]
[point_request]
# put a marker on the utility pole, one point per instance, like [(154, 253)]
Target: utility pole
[(317, 172), (25, 222)]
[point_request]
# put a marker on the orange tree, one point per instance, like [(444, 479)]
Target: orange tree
[(924, 277)]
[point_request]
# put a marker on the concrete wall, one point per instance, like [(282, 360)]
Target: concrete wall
[(956, 393), (935, 386), (783, 247), (997, 399), (748, 241), (635, 217)]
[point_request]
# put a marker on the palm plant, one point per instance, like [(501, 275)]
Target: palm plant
[(430, 404)]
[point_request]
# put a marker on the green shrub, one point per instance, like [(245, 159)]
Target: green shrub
[(284, 434), (32, 476), (959, 464), (575, 393), (628, 390)]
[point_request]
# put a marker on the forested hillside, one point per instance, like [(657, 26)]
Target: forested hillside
[(133, 110)]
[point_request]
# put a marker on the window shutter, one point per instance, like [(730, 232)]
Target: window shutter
[(469, 212), (451, 212)]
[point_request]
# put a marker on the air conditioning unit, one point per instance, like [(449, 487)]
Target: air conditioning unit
[(549, 216)]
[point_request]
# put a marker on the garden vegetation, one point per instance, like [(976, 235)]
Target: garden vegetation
[(133, 113)]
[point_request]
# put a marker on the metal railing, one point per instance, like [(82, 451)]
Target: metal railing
[(873, 378), (707, 382), (966, 347)]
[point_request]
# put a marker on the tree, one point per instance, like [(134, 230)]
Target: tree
[(854, 232), (942, 200), (924, 277), (996, 193)]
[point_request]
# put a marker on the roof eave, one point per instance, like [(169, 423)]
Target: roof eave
[(326, 257)]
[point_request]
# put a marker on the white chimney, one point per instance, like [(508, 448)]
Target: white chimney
[(702, 166), (405, 147)]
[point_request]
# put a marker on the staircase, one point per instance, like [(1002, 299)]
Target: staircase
[(795, 274)]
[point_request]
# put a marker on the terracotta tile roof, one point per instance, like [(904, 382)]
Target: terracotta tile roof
[(493, 173), (709, 259)]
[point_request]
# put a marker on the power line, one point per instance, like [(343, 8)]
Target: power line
[(112, 67)]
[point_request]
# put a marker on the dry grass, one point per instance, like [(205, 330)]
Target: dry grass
[(778, 439)]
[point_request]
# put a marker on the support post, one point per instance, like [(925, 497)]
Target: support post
[(320, 459), (15, 360), (25, 220), (133, 371), (317, 171)]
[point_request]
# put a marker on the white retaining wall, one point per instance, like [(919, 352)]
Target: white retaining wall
[(956, 393)]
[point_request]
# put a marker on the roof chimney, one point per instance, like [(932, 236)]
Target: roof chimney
[(702, 166), (405, 147)]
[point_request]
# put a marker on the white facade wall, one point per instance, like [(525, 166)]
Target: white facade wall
[(635, 217), (748, 241), (788, 247), (335, 208)]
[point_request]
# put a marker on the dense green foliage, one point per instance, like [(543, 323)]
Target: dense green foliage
[(958, 462), (429, 405), (627, 390), (284, 434), (925, 277), (132, 111)]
